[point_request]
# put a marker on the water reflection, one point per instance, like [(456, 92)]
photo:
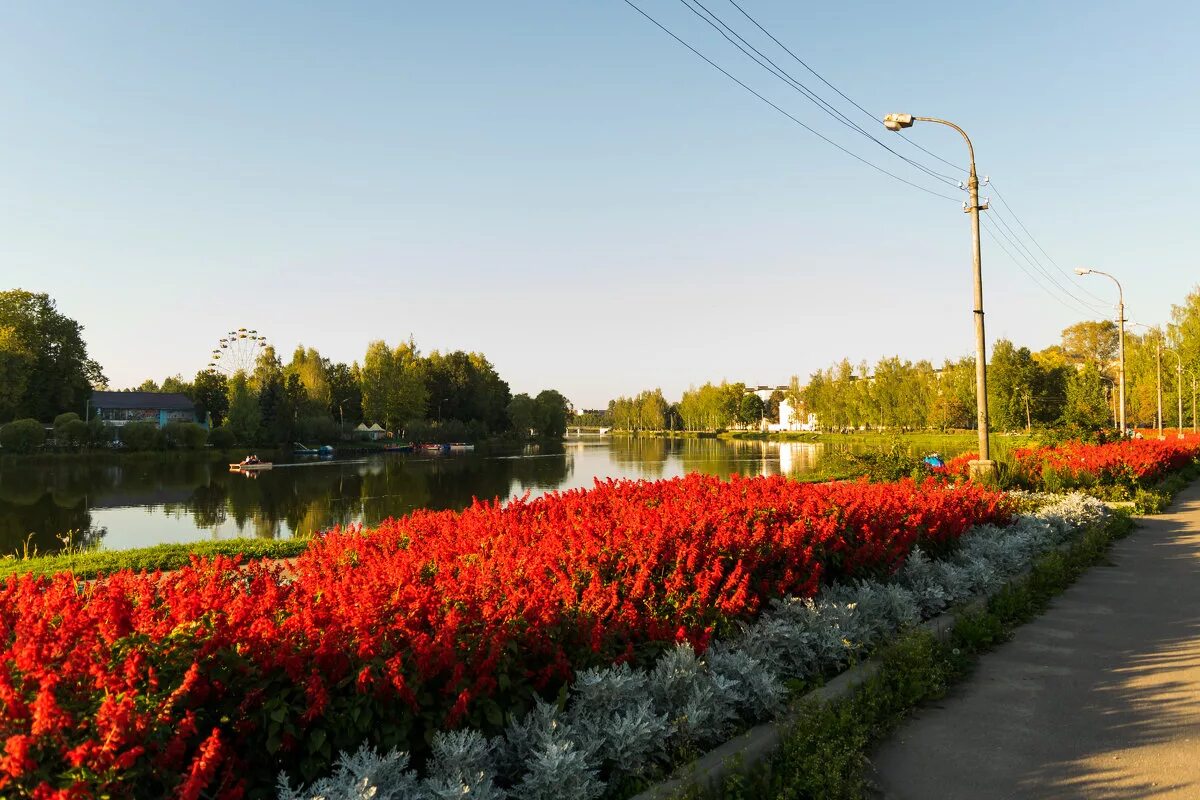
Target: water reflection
[(144, 501)]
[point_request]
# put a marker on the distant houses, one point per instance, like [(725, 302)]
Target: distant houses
[(793, 419), (120, 408)]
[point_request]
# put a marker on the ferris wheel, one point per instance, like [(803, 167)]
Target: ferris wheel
[(237, 351)]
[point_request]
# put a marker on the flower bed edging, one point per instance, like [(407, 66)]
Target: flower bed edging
[(557, 762)]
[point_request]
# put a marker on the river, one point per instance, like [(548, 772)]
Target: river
[(145, 500)]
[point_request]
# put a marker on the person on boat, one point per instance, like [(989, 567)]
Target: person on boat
[(251, 459)]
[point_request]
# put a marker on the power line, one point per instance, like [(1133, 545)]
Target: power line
[(995, 233), (1016, 239), (1004, 202), (1037, 264), (821, 78), (759, 57), (778, 108)]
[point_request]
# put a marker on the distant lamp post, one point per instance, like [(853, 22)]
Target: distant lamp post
[(1178, 391), (1120, 334), (984, 468)]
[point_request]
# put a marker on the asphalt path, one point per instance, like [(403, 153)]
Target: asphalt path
[(1097, 698)]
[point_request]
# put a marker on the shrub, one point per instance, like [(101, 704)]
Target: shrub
[(100, 433), (141, 436), (60, 425), (74, 433), (22, 436), (184, 435), (222, 438)]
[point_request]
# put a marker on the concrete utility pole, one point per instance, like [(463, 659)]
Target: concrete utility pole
[(1158, 366), (1179, 392), (1120, 333), (984, 468)]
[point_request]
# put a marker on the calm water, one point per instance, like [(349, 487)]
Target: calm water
[(134, 503)]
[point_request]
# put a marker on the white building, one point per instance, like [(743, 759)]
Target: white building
[(793, 419)]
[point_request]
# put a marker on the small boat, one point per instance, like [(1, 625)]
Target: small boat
[(460, 446), (398, 448), (301, 450), (435, 448), (254, 466)]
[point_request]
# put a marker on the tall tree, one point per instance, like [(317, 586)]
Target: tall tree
[(345, 394), (551, 412), (393, 386), (244, 414), (1094, 341), (522, 413), (44, 365), (1086, 404), (210, 393)]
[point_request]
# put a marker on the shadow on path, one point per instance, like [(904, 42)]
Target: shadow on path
[(1097, 698)]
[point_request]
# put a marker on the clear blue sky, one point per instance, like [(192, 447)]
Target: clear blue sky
[(561, 186)]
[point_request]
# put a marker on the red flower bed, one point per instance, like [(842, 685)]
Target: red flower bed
[(1129, 462), (207, 681)]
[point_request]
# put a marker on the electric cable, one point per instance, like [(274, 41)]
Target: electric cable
[(759, 57), (781, 110), (821, 78)]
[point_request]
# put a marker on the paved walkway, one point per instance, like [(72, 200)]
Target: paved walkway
[(1098, 698)]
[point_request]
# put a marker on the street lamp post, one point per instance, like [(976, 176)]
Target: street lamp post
[(983, 468), (1120, 334)]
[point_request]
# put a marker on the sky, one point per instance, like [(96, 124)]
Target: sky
[(566, 189)]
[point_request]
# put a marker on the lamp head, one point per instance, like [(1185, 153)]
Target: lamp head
[(896, 122), (1082, 271)]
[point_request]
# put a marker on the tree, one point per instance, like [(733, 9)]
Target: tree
[(552, 411), (464, 386), (44, 365), (522, 413), (1094, 341), (1013, 378), (772, 409), (1086, 405), (751, 410), (393, 387), (312, 372), (175, 384), (210, 394), (345, 394), (244, 414)]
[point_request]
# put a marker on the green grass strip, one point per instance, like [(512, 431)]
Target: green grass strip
[(825, 754), (93, 563)]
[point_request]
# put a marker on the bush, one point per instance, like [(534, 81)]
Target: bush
[(141, 436), (890, 463), (184, 435), (60, 422), (100, 433), (22, 436), (74, 433), (222, 438)]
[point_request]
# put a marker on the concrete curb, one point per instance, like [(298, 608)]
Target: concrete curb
[(757, 744)]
